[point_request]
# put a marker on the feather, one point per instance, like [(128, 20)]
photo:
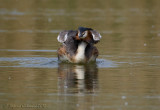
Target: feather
[(96, 35), (62, 37)]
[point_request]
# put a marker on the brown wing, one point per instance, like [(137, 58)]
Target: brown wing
[(61, 51), (91, 51)]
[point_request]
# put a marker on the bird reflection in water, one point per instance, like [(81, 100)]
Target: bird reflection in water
[(76, 78)]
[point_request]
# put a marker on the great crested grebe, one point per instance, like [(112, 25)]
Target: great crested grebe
[(78, 45)]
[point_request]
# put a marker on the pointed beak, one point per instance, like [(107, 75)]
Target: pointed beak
[(80, 35)]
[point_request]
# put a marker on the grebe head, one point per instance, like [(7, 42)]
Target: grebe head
[(83, 32)]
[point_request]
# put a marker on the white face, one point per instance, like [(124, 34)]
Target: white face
[(83, 35)]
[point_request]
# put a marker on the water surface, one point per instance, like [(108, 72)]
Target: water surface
[(125, 76)]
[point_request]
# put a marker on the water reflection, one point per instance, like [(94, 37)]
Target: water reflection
[(77, 78)]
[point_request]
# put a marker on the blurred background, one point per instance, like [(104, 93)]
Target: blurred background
[(126, 75)]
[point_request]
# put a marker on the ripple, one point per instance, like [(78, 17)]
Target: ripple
[(29, 31), (14, 50), (30, 62), (44, 62), (102, 63), (11, 12)]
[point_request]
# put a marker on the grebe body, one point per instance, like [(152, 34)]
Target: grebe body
[(78, 46)]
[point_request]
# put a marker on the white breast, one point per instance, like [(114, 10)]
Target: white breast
[(80, 56)]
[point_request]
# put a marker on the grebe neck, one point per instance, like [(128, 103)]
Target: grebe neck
[(80, 54)]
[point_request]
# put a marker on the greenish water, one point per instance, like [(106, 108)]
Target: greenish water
[(126, 75)]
